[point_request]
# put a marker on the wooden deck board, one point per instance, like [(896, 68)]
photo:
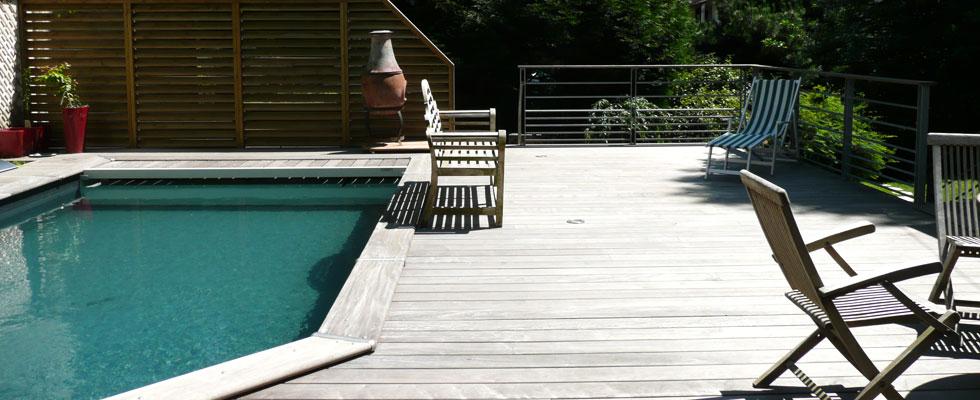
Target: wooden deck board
[(666, 290)]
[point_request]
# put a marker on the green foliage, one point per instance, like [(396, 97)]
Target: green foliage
[(487, 39), (25, 91), (867, 144), (717, 88), (59, 77), (631, 114), (770, 32)]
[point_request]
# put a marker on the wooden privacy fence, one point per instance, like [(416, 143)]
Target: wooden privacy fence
[(224, 73)]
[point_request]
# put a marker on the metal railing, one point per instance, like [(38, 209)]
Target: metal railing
[(869, 128)]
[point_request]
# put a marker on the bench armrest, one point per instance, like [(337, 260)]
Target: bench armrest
[(848, 232), (490, 115), (468, 113), (890, 276)]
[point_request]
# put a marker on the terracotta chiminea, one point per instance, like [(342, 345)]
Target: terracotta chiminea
[(383, 83)]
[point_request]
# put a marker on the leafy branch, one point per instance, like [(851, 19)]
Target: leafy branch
[(59, 77)]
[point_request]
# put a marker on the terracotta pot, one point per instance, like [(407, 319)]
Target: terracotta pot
[(75, 119), (383, 83)]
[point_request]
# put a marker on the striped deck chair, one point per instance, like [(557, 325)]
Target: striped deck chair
[(764, 118), (464, 153), (861, 300)]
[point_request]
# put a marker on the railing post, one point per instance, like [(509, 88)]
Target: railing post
[(520, 107), (920, 195), (847, 140), (795, 118), (634, 113)]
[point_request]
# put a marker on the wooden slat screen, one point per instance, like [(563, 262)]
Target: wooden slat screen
[(291, 60), (90, 37), (225, 73), (184, 61)]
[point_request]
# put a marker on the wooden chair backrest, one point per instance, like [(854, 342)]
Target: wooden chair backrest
[(772, 101), (433, 122), (772, 207), (956, 184)]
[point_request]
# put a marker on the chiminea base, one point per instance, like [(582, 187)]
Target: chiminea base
[(401, 122)]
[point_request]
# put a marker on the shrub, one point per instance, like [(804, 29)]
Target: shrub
[(629, 114), (867, 145)]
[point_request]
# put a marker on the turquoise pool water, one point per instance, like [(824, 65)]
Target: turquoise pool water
[(132, 284)]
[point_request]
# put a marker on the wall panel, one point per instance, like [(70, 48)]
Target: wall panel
[(90, 38), (291, 73), (184, 66), (225, 73)]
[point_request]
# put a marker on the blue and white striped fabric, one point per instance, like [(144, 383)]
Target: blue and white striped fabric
[(773, 102)]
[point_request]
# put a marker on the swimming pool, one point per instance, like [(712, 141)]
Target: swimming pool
[(124, 283)]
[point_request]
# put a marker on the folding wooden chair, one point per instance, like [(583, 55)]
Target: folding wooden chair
[(464, 153), (862, 300), (956, 185)]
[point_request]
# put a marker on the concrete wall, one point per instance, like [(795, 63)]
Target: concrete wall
[(9, 65)]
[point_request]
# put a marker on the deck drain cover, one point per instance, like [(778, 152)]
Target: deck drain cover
[(576, 221)]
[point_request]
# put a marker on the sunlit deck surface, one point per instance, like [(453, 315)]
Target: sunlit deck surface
[(666, 290)]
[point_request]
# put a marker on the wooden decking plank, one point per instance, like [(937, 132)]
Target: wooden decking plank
[(666, 290), (734, 388)]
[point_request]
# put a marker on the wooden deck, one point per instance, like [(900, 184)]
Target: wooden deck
[(665, 290)]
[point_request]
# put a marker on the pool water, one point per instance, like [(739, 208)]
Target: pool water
[(132, 284)]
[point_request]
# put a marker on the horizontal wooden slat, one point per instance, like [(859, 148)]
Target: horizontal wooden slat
[(184, 67)]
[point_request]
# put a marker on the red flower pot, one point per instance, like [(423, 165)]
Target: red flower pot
[(34, 140), (12, 142), (75, 119)]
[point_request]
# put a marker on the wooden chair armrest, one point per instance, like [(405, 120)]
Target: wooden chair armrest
[(466, 134), (849, 232), (467, 113), (490, 115), (890, 276)]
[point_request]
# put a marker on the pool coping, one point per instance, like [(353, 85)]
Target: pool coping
[(354, 321)]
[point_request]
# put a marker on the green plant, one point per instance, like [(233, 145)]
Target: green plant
[(821, 114), (631, 114), (711, 96), (25, 92), (59, 77)]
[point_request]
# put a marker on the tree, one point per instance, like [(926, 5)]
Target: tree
[(760, 32), (488, 39)]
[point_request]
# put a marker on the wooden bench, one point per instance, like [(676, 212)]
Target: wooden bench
[(464, 153)]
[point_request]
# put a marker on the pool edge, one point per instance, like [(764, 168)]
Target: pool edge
[(362, 305), (355, 318), (254, 371)]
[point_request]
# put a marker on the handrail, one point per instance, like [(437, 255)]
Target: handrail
[(759, 66), (560, 106)]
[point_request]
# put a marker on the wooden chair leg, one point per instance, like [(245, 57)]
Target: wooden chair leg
[(499, 202), (905, 360), (789, 359), (952, 255), (851, 349), (430, 201)]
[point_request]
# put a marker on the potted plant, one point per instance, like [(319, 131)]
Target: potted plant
[(74, 113)]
